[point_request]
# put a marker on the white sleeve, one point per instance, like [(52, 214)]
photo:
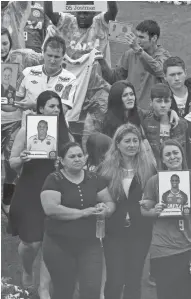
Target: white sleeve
[(21, 86)]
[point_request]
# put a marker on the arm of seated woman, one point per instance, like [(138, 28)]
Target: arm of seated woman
[(51, 203)]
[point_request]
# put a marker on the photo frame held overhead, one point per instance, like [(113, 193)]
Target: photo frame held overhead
[(42, 136), (174, 193), (118, 31), (9, 75)]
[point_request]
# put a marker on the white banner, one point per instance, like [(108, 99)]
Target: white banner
[(74, 6)]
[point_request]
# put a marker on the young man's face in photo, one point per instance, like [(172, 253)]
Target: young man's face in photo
[(42, 129), (7, 77), (175, 76), (175, 182), (161, 106)]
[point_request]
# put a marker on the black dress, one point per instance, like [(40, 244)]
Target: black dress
[(26, 215)]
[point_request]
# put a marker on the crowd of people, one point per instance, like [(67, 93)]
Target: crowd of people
[(117, 128)]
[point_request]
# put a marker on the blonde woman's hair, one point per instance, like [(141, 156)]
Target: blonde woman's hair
[(112, 166)]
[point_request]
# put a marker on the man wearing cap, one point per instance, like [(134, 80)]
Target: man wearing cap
[(157, 126)]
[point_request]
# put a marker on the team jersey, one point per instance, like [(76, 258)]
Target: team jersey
[(8, 93), (35, 28), (174, 200), (35, 144), (14, 17), (34, 81), (80, 41)]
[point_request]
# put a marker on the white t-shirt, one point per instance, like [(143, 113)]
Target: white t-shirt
[(164, 132), (181, 103), (126, 185), (35, 81)]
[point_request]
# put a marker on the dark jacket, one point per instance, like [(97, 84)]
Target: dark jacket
[(151, 126), (140, 226), (188, 102)]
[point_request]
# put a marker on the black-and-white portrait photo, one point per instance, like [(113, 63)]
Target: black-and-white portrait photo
[(42, 135), (174, 191), (9, 73)]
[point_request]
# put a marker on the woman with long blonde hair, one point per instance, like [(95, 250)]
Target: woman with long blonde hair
[(127, 167)]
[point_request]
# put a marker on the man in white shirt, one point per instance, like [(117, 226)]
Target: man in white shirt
[(49, 76)]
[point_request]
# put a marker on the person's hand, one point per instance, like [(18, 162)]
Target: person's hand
[(174, 118), (132, 41), (25, 104), (158, 208), (102, 210), (89, 211), (24, 156), (98, 56), (51, 30), (145, 204)]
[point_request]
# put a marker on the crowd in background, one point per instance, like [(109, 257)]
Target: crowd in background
[(117, 127)]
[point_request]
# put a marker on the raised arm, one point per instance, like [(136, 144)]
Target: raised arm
[(110, 15), (48, 9)]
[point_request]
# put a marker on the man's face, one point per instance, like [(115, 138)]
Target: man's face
[(42, 129), (7, 77), (53, 59), (161, 106), (175, 76), (85, 18), (143, 40), (175, 182)]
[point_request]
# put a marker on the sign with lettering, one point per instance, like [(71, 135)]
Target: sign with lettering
[(75, 6)]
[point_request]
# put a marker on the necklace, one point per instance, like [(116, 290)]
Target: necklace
[(175, 193)]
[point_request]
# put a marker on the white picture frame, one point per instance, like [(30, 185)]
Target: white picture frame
[(42, 136), (118, 30), (9, 75), (176, 203)]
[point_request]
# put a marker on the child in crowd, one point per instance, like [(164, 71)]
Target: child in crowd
[(157, 125)]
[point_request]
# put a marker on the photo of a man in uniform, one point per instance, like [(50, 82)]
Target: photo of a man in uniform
[(42, 141), (7, 90), (174, 198)]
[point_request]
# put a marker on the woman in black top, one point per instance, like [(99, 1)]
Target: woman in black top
[(26, 213), (126, 167), (70, 199)]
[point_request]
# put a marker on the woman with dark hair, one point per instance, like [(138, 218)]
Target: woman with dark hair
[(71, 199), (122, 108), (26, 213), (171, 239), (97, 145), (6, 44)]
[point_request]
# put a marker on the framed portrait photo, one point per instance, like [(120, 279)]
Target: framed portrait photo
[(118, 30), (174, 193), (9, 74), (42, 136)]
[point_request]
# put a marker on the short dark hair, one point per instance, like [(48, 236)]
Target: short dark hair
[(43, 121), (55, 42), (173, 61), (64, 149), (8, 68), (160, 90), (175, 176), (149, 26), (6, 31)]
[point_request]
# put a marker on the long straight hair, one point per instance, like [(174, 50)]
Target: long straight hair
[(112, 166), (63, 131), (115, 115)]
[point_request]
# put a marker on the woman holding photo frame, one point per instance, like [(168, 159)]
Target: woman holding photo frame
[(171, 241), (26, 213)]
